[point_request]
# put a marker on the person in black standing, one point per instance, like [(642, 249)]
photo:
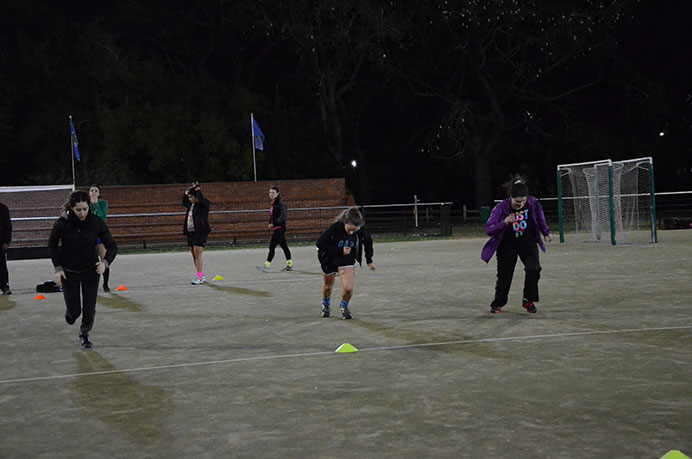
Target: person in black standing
[(72, 246), (5, 239), (196, 227), (277, 223)]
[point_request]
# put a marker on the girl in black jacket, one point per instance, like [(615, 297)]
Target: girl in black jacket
[(339, 247), (76, 261), (196, 227), (277, 223)]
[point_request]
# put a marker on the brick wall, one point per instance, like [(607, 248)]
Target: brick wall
[(251, 225)]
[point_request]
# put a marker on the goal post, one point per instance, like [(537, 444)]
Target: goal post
[(607, 200)]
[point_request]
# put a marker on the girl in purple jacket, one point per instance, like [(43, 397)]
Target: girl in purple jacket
[(515, 227)]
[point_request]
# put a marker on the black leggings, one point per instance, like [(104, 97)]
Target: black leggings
[(84, 303), (506, 261), (278, 238), (4, 274)]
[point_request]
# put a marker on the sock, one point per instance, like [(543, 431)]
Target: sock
[(267, 263), (200, 275), (289, 263), (326, 301), (344, 304)]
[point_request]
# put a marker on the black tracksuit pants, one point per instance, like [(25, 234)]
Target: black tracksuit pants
[(278, 238), (506, 261), (81, 302), (4, 274)]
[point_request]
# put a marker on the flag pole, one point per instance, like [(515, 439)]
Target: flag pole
[(74, 182), (252, 129)]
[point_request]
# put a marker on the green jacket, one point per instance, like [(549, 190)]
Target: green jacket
[(100, 209)]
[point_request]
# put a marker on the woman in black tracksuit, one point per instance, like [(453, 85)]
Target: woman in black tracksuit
[(277, 223), (72, 246), (339, 248), (196, 227)]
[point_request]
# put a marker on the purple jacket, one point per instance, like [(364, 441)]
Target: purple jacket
[(495, 228)]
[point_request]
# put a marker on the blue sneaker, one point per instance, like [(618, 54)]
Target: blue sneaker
[(85, 341)]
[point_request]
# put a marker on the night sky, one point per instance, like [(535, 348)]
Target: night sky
[(440, 99)]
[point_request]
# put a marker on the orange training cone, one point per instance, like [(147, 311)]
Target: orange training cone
[(121, 288), (39, 297)]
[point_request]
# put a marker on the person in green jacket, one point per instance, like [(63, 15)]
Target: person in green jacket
[(99, 207)]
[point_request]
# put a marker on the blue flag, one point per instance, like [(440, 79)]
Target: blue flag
[(75, 143), (257, 135)]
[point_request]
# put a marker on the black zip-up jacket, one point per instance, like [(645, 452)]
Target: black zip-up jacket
[(5, 225), (277, 217), (200, 213), (327, 243), (78, 250)]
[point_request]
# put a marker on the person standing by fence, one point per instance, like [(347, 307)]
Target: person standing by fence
[(339, 248), (196, 227), (515, 227), (99, 207), (72, 246), (5, 239), (277, 223)]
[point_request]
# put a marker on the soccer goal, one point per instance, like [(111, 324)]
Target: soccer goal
[(607, 201)]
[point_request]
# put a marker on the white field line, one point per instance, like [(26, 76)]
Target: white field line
[(313, 354)]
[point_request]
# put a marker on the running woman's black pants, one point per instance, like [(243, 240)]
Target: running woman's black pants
[(80, 291)]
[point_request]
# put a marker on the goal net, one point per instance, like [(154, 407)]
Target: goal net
[(607, 201), (33, 210)]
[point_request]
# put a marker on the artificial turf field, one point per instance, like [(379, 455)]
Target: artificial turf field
[(245, 366)]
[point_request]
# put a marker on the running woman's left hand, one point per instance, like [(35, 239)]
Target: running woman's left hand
[(100, 267), (549, 238), (371, 266)]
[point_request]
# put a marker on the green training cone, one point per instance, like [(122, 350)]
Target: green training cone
[(217, 277), (674, 454), (346, 347)]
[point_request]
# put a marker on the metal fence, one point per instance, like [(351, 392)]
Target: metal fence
[(673, 210)]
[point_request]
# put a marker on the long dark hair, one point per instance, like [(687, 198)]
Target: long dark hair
[(278, 193), (75, 198)]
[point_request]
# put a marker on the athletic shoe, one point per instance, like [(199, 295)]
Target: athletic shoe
[(6, 291), (106, 288), (288, 268), (346, 313), (325, 311), (529, 306), (199, 281), (495, 309), (85, 341), (263, 269)]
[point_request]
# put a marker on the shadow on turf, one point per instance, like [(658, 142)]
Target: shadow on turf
[(116, 301), (6, 303), (239, 290), (118, 400)]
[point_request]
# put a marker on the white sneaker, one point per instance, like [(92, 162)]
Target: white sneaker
[(264, 269), (199, 281)]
